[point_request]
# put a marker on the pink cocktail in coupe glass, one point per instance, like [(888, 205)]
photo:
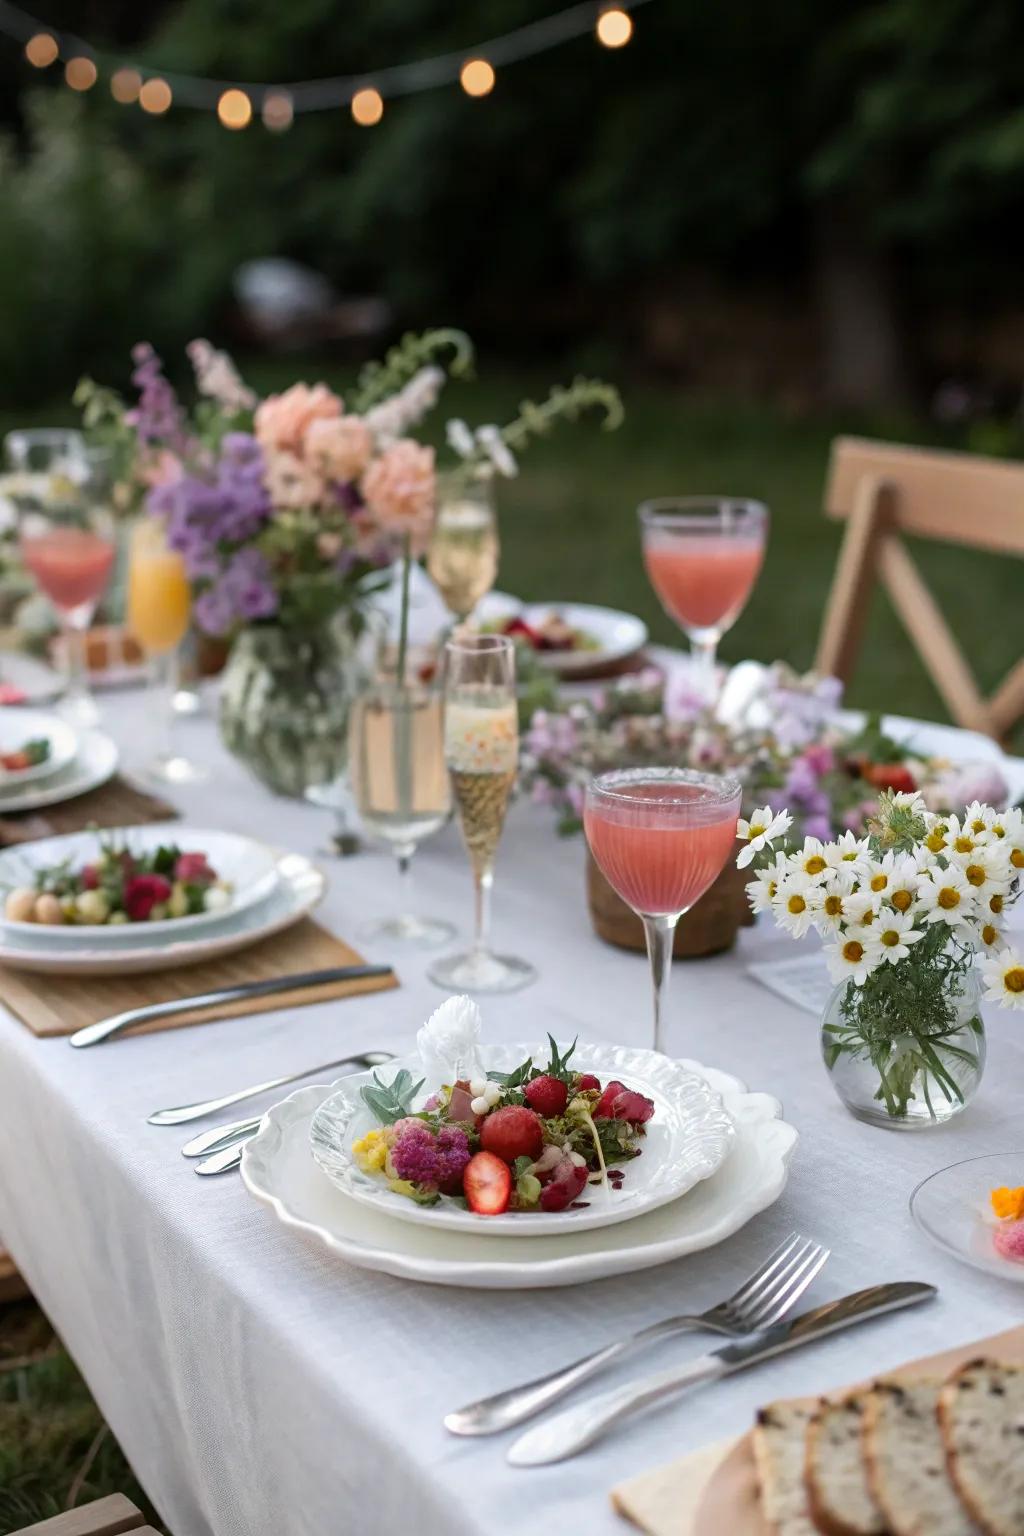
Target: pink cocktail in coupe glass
[(703, 555), (661, 837)]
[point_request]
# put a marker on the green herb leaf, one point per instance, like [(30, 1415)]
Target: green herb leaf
[(391, 1101)]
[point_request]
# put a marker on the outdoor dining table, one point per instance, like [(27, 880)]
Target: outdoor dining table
[(259, 1385)]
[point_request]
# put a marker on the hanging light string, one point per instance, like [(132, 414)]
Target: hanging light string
[(235, 101)]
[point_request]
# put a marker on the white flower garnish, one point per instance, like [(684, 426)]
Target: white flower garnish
[(763, 827), (449, 1041)]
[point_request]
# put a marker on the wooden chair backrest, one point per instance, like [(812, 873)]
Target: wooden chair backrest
[(105, 1517), (883, 491)]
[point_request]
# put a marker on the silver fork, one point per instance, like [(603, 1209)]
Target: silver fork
[(760, 1301)]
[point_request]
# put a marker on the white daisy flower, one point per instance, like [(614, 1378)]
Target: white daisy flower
[(961, 841), (1006, 826), (1003, 976), (764, 887), (846, 851), (851, 959), (892, 936), (992, 905), (762, 828), (910, 800), (988, 934), (829, 901), (792, 906), (986, 868), (937, 839), (947, 897), (862, 908), (978, 819), (811, 860), (877, 874)]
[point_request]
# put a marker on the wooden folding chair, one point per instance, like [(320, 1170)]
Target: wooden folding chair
[(884, 491), (106, 1517)]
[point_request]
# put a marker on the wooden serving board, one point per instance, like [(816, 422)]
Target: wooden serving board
[(714, 1491)]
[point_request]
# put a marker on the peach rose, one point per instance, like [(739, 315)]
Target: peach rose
[(292, 482), (398, 488), (338, 446), (283, 420)]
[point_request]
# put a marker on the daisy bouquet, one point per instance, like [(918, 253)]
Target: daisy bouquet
[(911, 916)]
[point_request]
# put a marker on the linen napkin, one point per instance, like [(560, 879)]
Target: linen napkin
[(803, 981)]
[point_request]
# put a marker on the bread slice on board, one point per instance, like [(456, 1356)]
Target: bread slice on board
[(981, 1414), (780, 1451), (906, 1461), (841, 1502)]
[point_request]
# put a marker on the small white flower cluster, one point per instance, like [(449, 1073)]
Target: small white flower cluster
[(485, 1095), (394, 417), (871, 907), (218, 378), (486, 443)]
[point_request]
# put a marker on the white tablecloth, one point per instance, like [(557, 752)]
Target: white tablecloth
[(260, 1386)]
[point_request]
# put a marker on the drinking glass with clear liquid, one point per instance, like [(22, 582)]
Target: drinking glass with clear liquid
[(481, 747), (400, 786), (462, 557), (159, 610)]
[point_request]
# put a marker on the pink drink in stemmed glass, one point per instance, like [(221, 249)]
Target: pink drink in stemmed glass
[(703, 555), (71, 565), (661, 837)]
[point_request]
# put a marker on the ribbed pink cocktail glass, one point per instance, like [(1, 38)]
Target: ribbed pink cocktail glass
[(661, 837)]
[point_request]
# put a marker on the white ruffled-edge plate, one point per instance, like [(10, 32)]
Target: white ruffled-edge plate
[(278, 1169), (688, 1138), (617, 634), (18, 725), (95, 763), (248, 866), (300, 887)]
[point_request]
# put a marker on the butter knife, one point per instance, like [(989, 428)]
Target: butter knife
[(574, 1429), (93, 1034)]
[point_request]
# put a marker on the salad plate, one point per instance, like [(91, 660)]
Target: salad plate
[(567, 637), (240, 870), (299, 888), (686, 1139), (33, 745), (94, 763), (278, 1170), (956, 1208)]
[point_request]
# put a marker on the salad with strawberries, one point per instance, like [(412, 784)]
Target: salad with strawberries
[(535, 1139), (118, 886)]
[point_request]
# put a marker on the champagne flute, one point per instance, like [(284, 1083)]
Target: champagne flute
[(462, 556), (159, 609), (400, 787), (703, 555), (481, 743), (66, 537), (661, 837)]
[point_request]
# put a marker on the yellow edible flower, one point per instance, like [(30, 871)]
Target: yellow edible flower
[(1008, 1203), (371, 1151)]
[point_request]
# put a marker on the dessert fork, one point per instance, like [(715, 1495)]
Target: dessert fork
[(762, 1300)]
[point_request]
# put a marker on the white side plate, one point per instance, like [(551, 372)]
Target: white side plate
[(19, 725), (95, 763), (617, 634)]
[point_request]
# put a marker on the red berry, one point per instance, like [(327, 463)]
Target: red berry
[(512, 1132), (90, 877), (621, 1103), (547, 1095), (142, 893), (588, 1083), (487, 1183), (569, 1182)]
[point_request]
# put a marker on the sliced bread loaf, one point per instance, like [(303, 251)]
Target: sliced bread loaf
[(906, 1461), (840, 1500), (780, 1450), (981, 1413)]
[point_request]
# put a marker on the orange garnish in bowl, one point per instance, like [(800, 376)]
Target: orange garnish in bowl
[(1008, 1204)]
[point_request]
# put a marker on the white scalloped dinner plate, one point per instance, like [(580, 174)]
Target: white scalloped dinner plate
[(95, 763), (687, 1139), (18, 725), (278, 1168)]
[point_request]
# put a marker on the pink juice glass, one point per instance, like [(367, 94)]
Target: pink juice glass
[(661, 837), (703, 555)]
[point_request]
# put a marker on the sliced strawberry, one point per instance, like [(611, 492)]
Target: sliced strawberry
[(460, 1104), (621, 1103), (16, 761), (569, 1182), (487, 1183), (603, 1107), (547, 1095), (588, 1083), (512, 1132)]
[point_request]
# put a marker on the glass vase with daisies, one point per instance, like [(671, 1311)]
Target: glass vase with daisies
[(912, 919)]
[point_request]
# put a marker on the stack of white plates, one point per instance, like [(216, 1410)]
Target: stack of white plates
[(270, 891), (76, 762)]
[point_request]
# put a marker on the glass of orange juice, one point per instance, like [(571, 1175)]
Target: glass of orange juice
[(159, 609)]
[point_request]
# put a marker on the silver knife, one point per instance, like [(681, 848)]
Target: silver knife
[(93, 1034), (573, 1430)]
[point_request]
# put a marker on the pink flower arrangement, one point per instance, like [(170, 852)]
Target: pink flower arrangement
[(282, 421), (399, 489)]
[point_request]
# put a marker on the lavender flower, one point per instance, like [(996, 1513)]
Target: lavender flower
[(157, 418)]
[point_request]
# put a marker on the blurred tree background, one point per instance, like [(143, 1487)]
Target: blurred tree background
[(816, 202)]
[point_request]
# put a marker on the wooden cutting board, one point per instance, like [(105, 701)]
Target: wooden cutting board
[(58, 1005), (714, 1492)]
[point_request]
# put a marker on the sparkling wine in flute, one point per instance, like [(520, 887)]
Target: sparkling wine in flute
[(482, 800), (463, 556)]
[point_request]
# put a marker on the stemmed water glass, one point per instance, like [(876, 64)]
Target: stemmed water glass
[(66, 538), (661, 837), (400, 786), (481, 745), (703, 555), (462, 557)]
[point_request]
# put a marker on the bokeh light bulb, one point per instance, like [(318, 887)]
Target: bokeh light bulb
[(614, 28), (277, 111), (477, 77), (41, 49), (80, 73), (367, 107), (234, 109), (125, 85), (155, 96)]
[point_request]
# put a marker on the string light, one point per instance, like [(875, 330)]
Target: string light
[(155, 96), (476, 77), (235, 109), (367, 107), (125, 85), (277, 111), (80, 73), (42, 49), (614, 28)]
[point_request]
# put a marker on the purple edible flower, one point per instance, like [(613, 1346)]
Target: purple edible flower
[(158, 417), (422, 1158)]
